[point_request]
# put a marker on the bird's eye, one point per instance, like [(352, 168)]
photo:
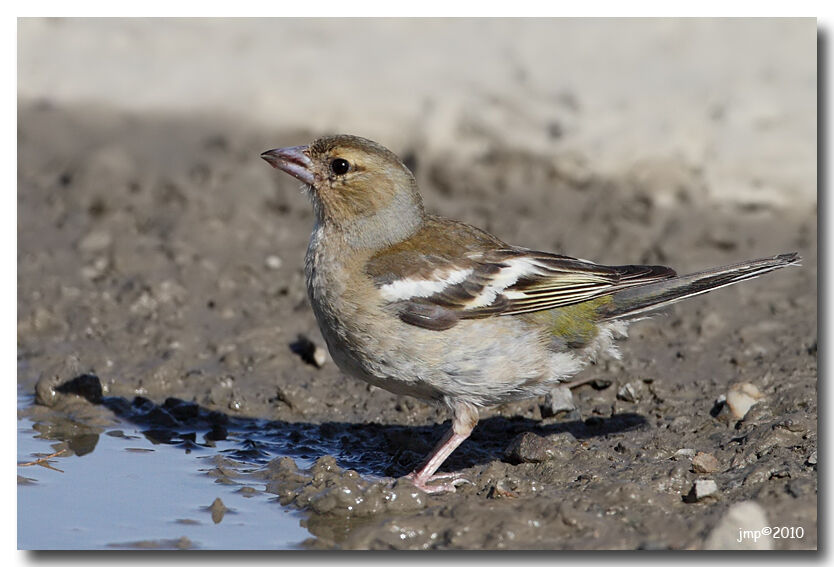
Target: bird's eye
[(339, 166)]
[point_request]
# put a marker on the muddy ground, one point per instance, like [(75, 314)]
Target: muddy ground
[(161, 255)]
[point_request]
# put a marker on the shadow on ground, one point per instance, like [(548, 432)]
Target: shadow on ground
[(378, 450)]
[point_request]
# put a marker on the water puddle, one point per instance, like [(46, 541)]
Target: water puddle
[(113, 487)]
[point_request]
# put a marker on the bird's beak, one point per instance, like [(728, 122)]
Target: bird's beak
[(294, 161)]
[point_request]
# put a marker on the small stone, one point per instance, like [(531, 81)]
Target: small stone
[(319, 356), (531, 448), (556, 401), (287, 394), (759, 474), (45, 394), (218, 510), (741, 397), (631, 392), (685, 453), (794, 425), (248, 491), (504, 488), (88, 386), (741, 529), (310, 352), (283, 466), (705, 463), (812, 459), (764, 444), (600, 383), (273, 262), (702, 488), (95, 241), (680, 424), (675, 480)]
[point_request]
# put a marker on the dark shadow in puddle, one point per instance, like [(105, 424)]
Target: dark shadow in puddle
[(369, 448)]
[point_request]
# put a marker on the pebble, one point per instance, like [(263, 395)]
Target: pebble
[(684, 453), (273, 262), (504, 488), (310, 352), (600, 383), (759, 474), (288, 394), (812, 458), (218, 510), (794, 425), (528, 447), (681, 424), (631, 392), (319, 356), (95, 241), (741, 397), (87, 386), (45, 394), (762, 445), (705, 463), (53, 377), (740, 517), (556, 401), (702, 488), (675, 480)]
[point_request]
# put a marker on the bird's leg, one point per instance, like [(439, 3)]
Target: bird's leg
[(463, 422)]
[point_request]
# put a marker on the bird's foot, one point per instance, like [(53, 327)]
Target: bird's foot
[(453, 480)]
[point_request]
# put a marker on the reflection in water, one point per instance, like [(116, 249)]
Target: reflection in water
[(142, 478), (134, 487)]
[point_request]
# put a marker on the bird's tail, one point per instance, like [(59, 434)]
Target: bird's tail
[(640, 299)]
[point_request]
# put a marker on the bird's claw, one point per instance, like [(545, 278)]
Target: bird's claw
[(453, 479)]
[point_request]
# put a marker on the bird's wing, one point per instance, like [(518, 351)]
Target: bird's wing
[(523, 281), (436, 286)]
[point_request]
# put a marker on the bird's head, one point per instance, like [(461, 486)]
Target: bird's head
[(357, 186)]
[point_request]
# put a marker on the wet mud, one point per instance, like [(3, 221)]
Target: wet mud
[(160, 282)]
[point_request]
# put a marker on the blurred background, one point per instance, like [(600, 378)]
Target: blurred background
[(734, 98)]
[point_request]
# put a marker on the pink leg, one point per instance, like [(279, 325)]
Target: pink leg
[(464, 421)]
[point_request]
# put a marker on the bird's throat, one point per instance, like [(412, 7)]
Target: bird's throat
[(397, 221)]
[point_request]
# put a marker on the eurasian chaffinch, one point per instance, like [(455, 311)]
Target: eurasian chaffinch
[(443, 311)]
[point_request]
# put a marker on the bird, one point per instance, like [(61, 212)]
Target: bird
[(433, 308)]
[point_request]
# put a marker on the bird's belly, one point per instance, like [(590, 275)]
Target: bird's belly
[(363, 350), (483, 362), (480, 361)]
